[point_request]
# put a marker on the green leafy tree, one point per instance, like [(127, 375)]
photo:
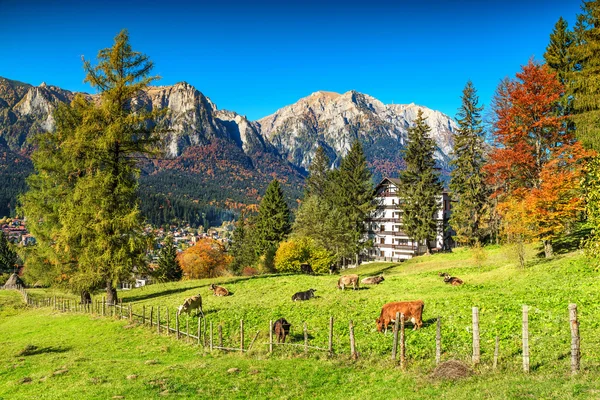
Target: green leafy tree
[(168, 269), (98, 226), (419, 184), (467, 183), (8, 256), (273, 221), (353, 197)]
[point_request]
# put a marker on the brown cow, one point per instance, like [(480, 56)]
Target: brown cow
[(412, 310), (348, 280), (194, 302), (373, 280), (219, 290), (281, 328), (454, 281)]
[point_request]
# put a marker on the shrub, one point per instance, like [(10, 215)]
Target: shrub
[(294, 252)]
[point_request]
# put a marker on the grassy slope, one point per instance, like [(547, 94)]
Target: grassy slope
[(100, 354)]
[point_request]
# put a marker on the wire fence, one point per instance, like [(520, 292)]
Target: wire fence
[(204, 332)]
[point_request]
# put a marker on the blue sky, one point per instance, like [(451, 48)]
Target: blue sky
[(256, 57)]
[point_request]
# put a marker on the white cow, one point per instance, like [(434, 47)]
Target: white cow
[(191, 304)]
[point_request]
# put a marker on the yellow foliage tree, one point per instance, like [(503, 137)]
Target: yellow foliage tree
[(206, 259)]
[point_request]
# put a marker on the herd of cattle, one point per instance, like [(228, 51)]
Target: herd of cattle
[(412, 310)]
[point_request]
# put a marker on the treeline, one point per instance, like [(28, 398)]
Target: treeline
[(13, 171)]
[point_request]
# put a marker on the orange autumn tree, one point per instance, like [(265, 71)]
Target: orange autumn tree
[(536, 166), (206, 259)]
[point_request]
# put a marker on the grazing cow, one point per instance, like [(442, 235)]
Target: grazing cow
[(373, 280), (332, 269), (191, 304), (309, 294), (452, 280), (412, 310), (348, 280), (281, 328), (219, 290), (306, 269)]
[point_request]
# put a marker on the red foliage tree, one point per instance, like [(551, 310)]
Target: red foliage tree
[(536, 159)]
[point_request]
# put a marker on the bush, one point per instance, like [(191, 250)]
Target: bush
[(294, 252)]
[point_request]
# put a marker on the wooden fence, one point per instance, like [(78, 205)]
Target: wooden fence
[(204, 334)]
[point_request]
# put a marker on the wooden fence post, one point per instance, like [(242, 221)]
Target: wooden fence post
[(158, 319), (168, 322), (143, 315), (198, 332), (211, 336), (270, 336), (130, 312), (395, 342), (476, 348), (103, 306), (220, 333), (177, 325), (525, 339), (575, 340), (353, 353), (402, 344), (187, 329), (121, 309), (331, 335), (496, 351), (438, 341), (241, 335), (151, 316), (305, 338), (252, 342)]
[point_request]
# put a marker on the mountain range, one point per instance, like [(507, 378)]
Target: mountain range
[(216, 162)]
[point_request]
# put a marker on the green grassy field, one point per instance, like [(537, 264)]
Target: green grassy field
[(99, 354)]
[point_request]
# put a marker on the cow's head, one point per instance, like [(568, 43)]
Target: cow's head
[(179, 309), (212, 286), (379, 322), (447, 278), (380, 278), (312, 292)]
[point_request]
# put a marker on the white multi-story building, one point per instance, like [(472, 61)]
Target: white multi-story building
[(390, 242)]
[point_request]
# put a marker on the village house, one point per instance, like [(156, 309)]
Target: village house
[(390, 242)]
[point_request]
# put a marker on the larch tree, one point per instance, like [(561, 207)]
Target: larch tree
[(273, 221), (467, 181), (96, 223), (584, 86), (420, 185)]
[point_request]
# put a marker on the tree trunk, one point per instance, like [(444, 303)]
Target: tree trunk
[(548, 248), (86, 297), (111, 293)]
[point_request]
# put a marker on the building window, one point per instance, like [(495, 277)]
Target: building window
[(381, 228), (381, 240)]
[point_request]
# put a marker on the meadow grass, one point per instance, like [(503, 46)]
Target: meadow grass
[(99, 353)]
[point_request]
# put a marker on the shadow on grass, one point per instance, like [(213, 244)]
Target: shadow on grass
[(31, 350)]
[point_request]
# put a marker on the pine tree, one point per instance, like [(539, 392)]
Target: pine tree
[(243, 245), (419, 184), (353, 197), (558, 52), (168, 267), (8, 257), (98, 226), (273, 221), (467, 185), (317, 180)]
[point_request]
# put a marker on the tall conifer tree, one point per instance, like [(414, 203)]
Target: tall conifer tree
[(420, 185), (317, 180), (168, 266), (467, 184), (273, 221), (584, 86), (353, 197), (98, 226)]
